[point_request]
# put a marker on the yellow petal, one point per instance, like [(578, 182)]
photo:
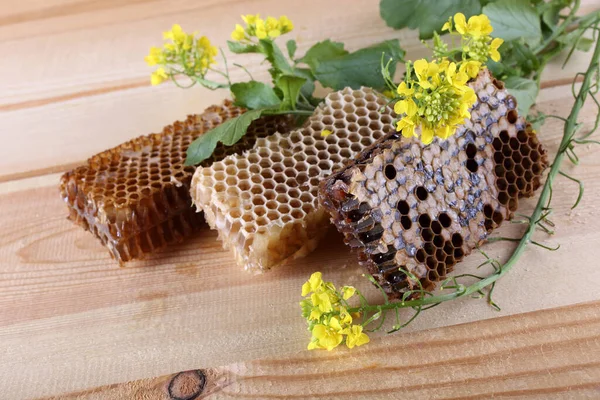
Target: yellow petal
[(315, 314), (411, 107), (261, 33), (250, 19), (238, 33), (315, 280), (274, 33), (460, 22), (285, 24), (306, 289), (427, 135), (497, 42), (319, 331), (404, 90), (421, 67), (348, 291), (485, 25), (400, 107)]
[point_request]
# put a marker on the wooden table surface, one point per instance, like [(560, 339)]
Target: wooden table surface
[(72, 323)]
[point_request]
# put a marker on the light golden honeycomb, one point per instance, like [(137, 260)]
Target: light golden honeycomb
[(408, 207), (135, 197), (264, 203)]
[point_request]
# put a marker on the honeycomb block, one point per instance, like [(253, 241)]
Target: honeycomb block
[(264, 203), (135, 197), (404, 205)]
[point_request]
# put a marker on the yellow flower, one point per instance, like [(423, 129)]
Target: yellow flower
[(405, 90), (345, 317), (347, 292), (315, 314), (408, 107), (238, 33), (407, 127), (154, 57), (176, 34), (313, 284), (285, 24), (158, 76), (250, 19), (478, 25), (494, 54), (325, 132), (326, 336), (426, 70), (260, 29), (456, 79), (471, 68), (322, 301), (272, 27), (356, 337)]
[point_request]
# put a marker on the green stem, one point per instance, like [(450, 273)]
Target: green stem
[(569, 132)]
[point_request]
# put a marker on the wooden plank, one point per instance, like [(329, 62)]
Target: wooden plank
[(86, 87), (93, 323), (547, 354)]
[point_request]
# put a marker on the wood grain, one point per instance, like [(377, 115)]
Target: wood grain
[(93, 67), (64, 301), (72, 83), (539, 355)]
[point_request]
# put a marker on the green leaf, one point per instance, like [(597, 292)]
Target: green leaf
[(524, 90), (228, 133), (320, 51), (514, 19), (550, 16), (361, 68), (276, 58), (212, 85), (254, 95), (240, 48), (426, 15), (584, 44), (574, 38), (291, 48), (290, 86)]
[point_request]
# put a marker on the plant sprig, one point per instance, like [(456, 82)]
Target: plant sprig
[(292, 86), (535, 32), (453, 288)]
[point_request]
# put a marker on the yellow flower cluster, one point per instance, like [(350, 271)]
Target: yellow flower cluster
[(438, 100), (476, 40), (326, 311), (184, 54), (261, 29), (435, 98)]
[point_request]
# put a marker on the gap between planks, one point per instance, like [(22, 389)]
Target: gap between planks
[(61, 168)]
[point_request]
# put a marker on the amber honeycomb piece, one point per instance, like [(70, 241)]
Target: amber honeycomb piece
[(135, 197), (405, 206), (264, 202)]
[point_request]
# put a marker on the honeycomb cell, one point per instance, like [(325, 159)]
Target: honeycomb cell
[(135, 197), (445, 198), (355, 121)]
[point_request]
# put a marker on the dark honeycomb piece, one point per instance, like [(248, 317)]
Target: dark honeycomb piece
[(406, 206), (135, 197)]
